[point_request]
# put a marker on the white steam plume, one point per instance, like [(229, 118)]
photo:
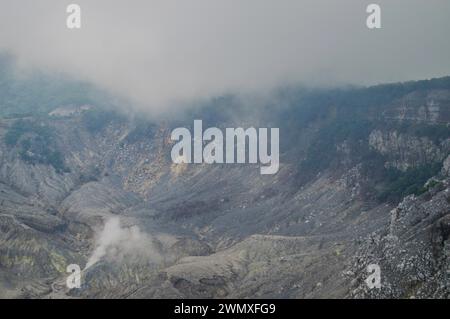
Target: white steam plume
[(116, 242)]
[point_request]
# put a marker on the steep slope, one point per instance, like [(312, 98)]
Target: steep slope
[(363, 179)]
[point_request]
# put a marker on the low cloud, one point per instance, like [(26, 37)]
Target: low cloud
[(163, 53)]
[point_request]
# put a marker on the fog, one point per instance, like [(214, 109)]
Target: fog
[(165, 53)]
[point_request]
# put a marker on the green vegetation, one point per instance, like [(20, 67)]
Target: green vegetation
[(436, 132), (38, 93), (21, 127), (95, 120), (432, 184), (35, 143), (323, 152), (91, 175), (142, 130), (399, 184)]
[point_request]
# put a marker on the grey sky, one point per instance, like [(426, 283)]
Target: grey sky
[(167, 51)]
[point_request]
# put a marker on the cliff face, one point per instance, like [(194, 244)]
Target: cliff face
[(364, 178), (429, 106), (405, 151)]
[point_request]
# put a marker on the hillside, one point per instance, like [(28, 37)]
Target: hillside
[(364, 178)]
